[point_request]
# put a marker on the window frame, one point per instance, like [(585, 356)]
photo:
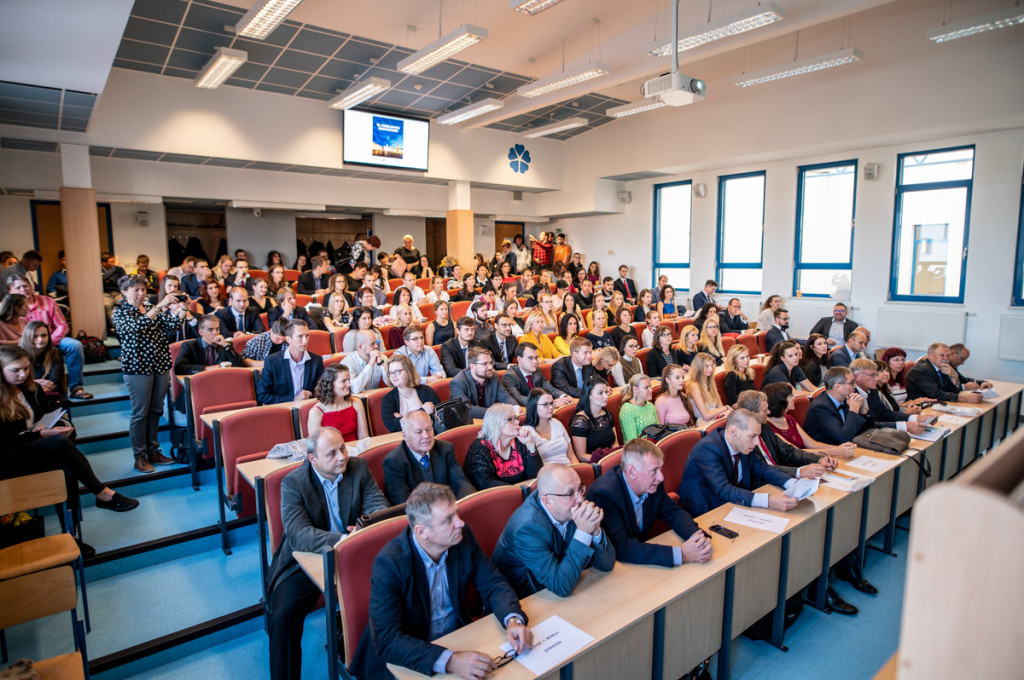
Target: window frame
[(1017, 298), (656, 227), (900, 191), (798, 265), (719, 265)]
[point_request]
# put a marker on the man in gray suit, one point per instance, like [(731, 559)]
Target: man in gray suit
[(478, 384), (553, 536), (320, 503)]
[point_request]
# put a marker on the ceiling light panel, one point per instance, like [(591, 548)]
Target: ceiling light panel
[(748, 20), (442, 49), (982, 24), (220, 67), (558, 81), (560, 126), (472, 111), (635, 107), (799, 68), (359, 93), (264, 17), (533, 6)]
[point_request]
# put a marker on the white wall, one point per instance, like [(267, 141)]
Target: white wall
[(15, 224), (132, 240), (272, 230), (390, 230)]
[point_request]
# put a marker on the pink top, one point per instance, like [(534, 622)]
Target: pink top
[(11, 333), (44, 308), (671, 411), (792, 432)]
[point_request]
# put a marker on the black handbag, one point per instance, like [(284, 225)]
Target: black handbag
[(656, 433), (451, 413)]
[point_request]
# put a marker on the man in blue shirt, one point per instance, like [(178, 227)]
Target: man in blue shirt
[(57, 285)]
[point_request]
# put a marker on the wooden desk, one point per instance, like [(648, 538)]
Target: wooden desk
[(312, 565)]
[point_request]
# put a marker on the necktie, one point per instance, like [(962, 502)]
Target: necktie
[(504, 351), (579, 377), (736, 466), (842, 412), (465, 355), (425, 462), (238, 322), (211, 355), (529, 381), (767, 453)]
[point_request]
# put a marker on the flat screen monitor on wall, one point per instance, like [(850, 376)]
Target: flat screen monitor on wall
[(385, 141)]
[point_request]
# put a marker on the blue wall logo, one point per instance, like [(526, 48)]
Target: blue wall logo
[(519, 158)]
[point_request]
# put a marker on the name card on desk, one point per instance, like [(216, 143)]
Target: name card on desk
[(846, 480), (871, 464), (953, 421), (757, 520), (554, 641)]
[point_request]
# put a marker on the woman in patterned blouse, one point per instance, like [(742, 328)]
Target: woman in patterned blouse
[(143, 327), (504, 453)]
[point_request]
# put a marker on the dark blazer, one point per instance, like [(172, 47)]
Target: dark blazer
[(656, 362), (250, 321), (787, 457), (774, 337), (563, 376), (824, 423), (192, 357), (700, 299), (453, 359), (490, 342), (400, 613), (533, 555), (299, 313), (825, 323), (628, 291), (275, 384), (924, 381), (308, 284), (463, 386), (709, 478), (307, 527), (389, 405), (731, 324), (609, 492), (881, 414), (517, 387), (841, 356), (402, 472)]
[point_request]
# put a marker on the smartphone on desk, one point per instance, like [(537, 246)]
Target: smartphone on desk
[(723, 531)]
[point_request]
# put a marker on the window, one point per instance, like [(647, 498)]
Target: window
[(740, 232), (1018, 276), (824, 229), (929, 244), (672, 204)]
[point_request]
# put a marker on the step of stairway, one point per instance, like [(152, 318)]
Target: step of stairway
[(107, 398)]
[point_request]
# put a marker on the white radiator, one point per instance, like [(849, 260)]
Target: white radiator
[(916, 329), (1011, 337)]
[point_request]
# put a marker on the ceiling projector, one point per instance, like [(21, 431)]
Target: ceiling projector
[(674, 89)]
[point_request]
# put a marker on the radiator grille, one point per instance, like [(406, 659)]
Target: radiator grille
[(916, 329), (1011, 337)]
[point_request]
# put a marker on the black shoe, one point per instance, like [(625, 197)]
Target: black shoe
[(87, 550), (118, 503), (838, 604), (856, 580)]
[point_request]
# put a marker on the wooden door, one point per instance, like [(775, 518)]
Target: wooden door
[(505, 230), (48, 232), (437, 240)]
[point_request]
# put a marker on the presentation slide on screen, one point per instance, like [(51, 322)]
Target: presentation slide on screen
[(387, 141)]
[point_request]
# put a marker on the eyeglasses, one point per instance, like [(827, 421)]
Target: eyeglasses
[(505, 658), (581, 490), (483, 363), (545, 404), (510, 419), (397, 371)]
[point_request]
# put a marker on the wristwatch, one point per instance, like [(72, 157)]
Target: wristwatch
[(518, 619)]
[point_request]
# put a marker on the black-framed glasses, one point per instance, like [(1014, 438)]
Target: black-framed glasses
[(504, 659), (581, 490)]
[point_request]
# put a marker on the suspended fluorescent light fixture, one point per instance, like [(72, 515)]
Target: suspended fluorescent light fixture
[(748, 20), (634, 107), (533, 6), (588, 71), (221, 66), (359, 93), (982, 24), (472, 111), (441, 49), (560, 126), (798, 68), (397, 212), (264, 17)]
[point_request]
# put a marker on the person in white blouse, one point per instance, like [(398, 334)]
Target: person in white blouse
[(549, 435), (437, 291)]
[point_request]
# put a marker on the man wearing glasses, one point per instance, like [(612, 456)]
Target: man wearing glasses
[(839, 413), (553, 536), (524, 376), (423, 358), (835, 328), (479, 384), (501, 342)]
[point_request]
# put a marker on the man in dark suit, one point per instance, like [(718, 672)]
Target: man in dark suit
[(779, 330), (732, 319), (421, 458), (626, 285), (719, 470), (240, 277), (835, 328), (521, 378), (479, 384), (418, 593), (320, 503), (934, 378), (958, 355), (865, 375), (238, 318), (706, 295), (776, 451), (571, 374), (553, 536), (282, 380), (316, 280), (633, 497), (839, 413), (209, 350), (454, 352), (287, 309), (849, 351), (500, 343)]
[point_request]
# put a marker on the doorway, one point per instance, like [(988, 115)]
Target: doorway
[(437, 240), (507, 230), (48, 232)]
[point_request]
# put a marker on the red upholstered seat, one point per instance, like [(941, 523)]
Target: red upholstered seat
[(376, 418), (334, 359), (486, 512), (291, 275), (211, 391), (676, 448), (338, 340), (443, 389), (239, 343), (613, 407), (303, 418), (800, 405), (545, 369), (263, 320), (272, 484), (720, 386), (176, 386), (762, 342), (374, 458), (715, 425), (303, 300), (641, 356), (459, 310), (609, 462), (461, 438), (564, 415), (255, 431), (424, 284), (750, 342), (586, 471), (759, 371), (427, 312), (320, 343), (727, 343), (394, 283), (259, 274), (354, 559)]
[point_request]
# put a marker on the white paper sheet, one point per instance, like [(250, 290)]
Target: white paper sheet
[(804, 488), (932, 434), (953, 421), (965, 411), (872, 464), (990, 393), (51, 418), (757, 520), (846, 480), (554, 641)]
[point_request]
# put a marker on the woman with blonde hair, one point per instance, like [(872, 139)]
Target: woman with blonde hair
[(535, 333), (711, 341), (605, 361), (617, 302), (336, 406), (637, 411), (222, 270), (701, 391), (545, 305), (504, 453), (739, 376), (599, 336), (671, 402), (396, 333), (336, 315), (689, 344)]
